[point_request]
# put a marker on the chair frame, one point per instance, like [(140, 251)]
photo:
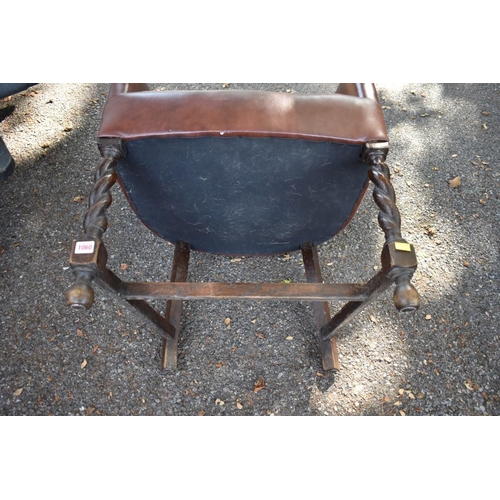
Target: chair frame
[(398, 266)]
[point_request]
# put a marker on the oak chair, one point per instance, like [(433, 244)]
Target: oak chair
[(243, 173)]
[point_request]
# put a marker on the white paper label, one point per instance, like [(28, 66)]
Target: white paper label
[(84, 247)]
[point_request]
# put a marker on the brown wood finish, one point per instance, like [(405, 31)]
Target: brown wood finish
[(398, 264), (81, 294), (243, 291), (328, 347), (174, 308)]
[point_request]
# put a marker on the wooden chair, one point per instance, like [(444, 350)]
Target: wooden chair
[(243, 173)]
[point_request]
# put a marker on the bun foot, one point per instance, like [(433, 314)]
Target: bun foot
[(406, 297), (80, 296)]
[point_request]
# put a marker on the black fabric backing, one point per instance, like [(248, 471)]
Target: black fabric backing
[(242, 196)]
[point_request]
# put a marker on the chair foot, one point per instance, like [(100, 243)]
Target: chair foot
[(406, 297), (168, 361)]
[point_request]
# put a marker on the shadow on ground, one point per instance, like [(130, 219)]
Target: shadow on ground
[(443, 360)]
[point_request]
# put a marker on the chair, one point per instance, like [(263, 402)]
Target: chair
[(243, 173)]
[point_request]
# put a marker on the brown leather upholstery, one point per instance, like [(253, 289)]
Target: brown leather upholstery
[(352, 115)]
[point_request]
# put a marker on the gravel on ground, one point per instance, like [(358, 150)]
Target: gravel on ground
[(442, 360)]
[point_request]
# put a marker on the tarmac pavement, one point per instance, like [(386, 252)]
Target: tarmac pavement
[(442, 360)]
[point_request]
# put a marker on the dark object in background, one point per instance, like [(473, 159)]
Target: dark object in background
[(7, 163), (7, 89)]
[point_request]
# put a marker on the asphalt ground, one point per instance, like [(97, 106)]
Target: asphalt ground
[(442, 360)]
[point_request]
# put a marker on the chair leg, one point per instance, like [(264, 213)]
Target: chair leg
[(328, 347), (89, 250), (398, 256), (174, 307)]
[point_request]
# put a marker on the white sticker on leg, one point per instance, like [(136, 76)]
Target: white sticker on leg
[(84, 247)]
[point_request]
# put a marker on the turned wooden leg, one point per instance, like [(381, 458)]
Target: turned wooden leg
[(398, 256), (88, 253)]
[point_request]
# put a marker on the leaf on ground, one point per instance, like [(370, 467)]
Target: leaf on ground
[(260, 335), (259, 385), (455, 182), (19, 391), (227, 321), (79, 198), (84, 364), (372, 318), (79, 333), (123, 267), (472, 386), (289, 337)]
